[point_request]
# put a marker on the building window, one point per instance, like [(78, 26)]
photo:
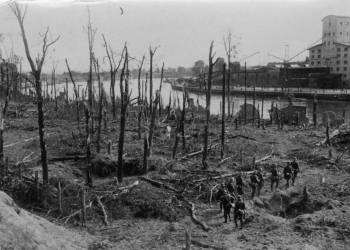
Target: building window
[(345, 55), (345, 62), (338, 62), (338, 49), (319, 51), (341, 23), (318, 62), (333, 33), (345, 68), (312, 63), (346, 49), (319, 56), (338, 55), (312, 51), (341, 33), (337, 68), (312, 56)]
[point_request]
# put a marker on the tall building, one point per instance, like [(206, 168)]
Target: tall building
[(334, 50)]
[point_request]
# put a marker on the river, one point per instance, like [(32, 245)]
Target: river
[(337, 107)]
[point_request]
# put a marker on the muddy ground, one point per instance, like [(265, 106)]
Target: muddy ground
[(150, 217)]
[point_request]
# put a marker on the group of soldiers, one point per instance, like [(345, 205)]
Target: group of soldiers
[(233, 191)]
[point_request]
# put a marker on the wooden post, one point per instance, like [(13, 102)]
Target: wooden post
[(6, 166), (314, 111), (262, 108), (67, 92), (145, 154), (83, 207), (109, 148), (59, 198), (20, 171), (258, 116), (36, 181), (343, 116), (256, 80), (253, 163)]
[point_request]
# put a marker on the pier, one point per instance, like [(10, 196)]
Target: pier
[(306, 93)]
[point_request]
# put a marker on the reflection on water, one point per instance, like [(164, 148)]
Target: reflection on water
[(337, 107)]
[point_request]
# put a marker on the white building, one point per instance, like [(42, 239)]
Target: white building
[(334, 50)]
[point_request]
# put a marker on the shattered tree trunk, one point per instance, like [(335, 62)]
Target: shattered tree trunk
[(139, 114), (314, 112), (182, 121), (100, 108), (88, 146), (2, 120), (76, 93), (53, 82), (245, 93), (223, 112), (124, 93), (207, 107)]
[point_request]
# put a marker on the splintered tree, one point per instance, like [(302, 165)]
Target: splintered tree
[(100, 105), (207, 107), (231, 52), (151, 54), (139, 98), (91, 37), (125, 99), (2, 119), (113, 70), (223, 111), (76, 93), (36, 68)]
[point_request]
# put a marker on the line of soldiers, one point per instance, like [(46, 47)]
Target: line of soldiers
[(228, 193)]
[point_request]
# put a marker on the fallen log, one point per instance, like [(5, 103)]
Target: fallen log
[(105, 218), (242, 136), (198, 152), (220, 176), (158, 184), (264, 158), (194, 218)]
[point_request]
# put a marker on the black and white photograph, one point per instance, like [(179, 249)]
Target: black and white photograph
[(174, 124)]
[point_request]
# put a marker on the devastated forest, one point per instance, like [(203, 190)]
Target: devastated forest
[(100, 171)]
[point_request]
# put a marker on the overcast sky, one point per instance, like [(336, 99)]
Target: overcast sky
[(182, 29)]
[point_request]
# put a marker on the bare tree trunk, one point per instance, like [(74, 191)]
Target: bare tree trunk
[(223, 111), (256, 79), (41, 129), (100, 107), (207, 108), (2, 120), (124, 93), (53, 81), (176, 142), (314, 112), (88, 145), (182, 121), (76, 92), (245, 93), (145, 154), (139, 115)]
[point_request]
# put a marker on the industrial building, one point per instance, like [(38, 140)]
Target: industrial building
[(334, 50)]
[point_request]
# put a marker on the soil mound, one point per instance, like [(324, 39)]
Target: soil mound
[(20, 229)]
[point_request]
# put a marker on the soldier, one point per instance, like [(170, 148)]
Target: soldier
[(260, 181), (226, 203), (287, 171), (239, 184), (220, 194), (274, 177), (253, 183), (295, 169), (239, 211), (230, 187)]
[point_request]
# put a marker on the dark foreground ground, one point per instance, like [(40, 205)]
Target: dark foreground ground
[(150, 217)]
